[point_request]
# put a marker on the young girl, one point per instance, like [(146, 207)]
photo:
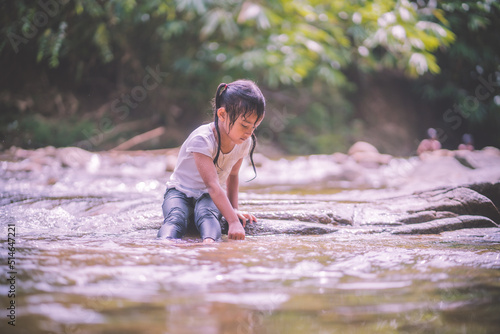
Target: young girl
[(204, 183)]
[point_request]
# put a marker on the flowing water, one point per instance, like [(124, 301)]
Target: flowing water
[(87, 261)]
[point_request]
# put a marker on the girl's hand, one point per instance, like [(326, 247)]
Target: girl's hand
[(236, 231), (244, 216)]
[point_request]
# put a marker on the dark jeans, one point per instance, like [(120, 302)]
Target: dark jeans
[(180, 210)]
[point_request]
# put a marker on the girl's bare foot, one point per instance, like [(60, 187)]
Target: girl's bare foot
[(208, 240)]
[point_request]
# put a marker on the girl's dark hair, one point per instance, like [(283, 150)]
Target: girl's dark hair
[(238, 98)]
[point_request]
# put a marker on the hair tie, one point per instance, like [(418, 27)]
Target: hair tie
[(223, 89)]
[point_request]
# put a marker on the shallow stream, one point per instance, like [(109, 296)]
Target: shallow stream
[(87, 261)]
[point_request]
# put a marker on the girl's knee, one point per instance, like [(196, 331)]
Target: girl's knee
[(205, 207), (206, 213), (209, 227), (176, 214), (174, 225)]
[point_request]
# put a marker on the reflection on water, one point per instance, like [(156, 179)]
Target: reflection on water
[(87, 261)]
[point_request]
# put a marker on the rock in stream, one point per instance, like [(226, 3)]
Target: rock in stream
[(446, 192)]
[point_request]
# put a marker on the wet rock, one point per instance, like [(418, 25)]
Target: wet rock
[(460, 201), (470, 168), (431, 211), (425, 216), (316, 217), (74, 157), (488, 157), (272, 226), (445, 224), (490, 150), (362, 147), (340, 158), (443, 207), (367, 171), (490, 190), (366, 154), (51, 159), (403, 196), (464, 161)]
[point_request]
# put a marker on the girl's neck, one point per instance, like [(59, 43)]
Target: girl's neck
[(226, 144)]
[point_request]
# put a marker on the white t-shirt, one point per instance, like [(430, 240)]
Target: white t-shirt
[(186, 177)]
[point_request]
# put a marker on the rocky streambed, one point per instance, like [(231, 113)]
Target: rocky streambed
[(302, 195), (357, 242)]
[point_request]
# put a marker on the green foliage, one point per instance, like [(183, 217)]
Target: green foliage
[(306, 45), (286, 41), (468, 63), (50, 43), (38, 131)]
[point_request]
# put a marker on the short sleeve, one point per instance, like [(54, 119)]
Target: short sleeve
[(200, 144)]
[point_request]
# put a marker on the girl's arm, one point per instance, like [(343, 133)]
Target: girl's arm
[(208, 173), (232, 193)]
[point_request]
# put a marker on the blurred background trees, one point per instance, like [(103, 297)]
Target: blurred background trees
[(96, 73)]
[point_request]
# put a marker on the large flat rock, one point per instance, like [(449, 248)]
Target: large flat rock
[(423, 212)]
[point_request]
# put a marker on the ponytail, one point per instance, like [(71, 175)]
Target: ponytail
[(254, 143), (241, 97), (222, 87)]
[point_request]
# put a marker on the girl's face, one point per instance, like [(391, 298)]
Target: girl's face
[(242, 128)]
